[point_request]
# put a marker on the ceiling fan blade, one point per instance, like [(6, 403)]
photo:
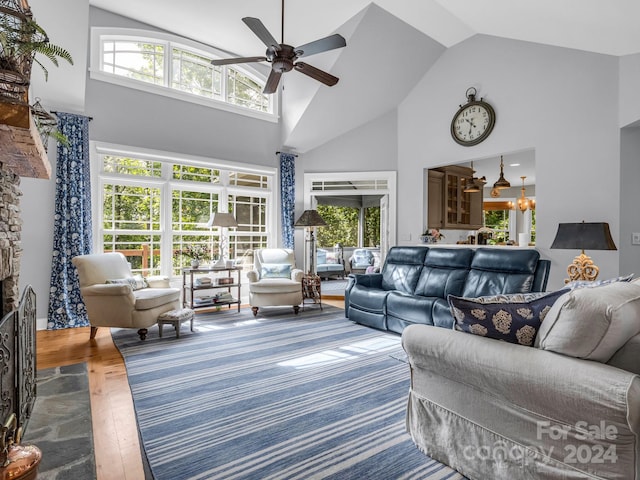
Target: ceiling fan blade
[(316, 74), (261, 32), (272, 82), (229, 61), (324, 44)]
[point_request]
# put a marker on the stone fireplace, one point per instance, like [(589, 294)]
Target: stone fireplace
[(18, 316), (10, 247)]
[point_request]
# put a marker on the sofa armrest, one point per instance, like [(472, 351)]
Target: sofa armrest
[(296, 275), (368, 280), (158, 281), (544, 384), (253, 276)]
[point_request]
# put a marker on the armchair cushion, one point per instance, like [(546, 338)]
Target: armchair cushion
[(515, 318), (148, 298), (275, 270)]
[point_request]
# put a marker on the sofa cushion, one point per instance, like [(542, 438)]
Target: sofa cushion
[(495, 271), (598, 283), (147, 298), (275, 270), (592, 323), (444, 273), (402, 268), (136, 282), (404, 309), (275, 285), (515, 318), (321, 256)]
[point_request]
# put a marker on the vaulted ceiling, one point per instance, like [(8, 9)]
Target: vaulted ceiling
[(390, 43)]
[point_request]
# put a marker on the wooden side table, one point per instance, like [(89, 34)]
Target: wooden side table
[(311, 290)]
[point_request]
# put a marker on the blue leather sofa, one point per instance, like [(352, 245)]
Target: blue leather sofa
[(414, 283)]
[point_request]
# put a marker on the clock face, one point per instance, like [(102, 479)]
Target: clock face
[(473, 123)]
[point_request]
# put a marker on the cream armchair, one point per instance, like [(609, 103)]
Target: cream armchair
[(115, 298), (274, 280)]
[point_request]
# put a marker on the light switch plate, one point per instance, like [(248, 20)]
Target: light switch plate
[(635, 239)]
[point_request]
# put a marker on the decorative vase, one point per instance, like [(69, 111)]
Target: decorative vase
[(428, 239), (195, 263)]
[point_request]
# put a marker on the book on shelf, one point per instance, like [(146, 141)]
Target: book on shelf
[(203, 281)]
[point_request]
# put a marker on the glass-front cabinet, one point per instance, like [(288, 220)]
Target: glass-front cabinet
[(449, 205)]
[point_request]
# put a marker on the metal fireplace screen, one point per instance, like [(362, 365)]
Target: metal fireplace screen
[(18, 360)]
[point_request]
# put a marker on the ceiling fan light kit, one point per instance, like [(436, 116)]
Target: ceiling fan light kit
[(283, 58)]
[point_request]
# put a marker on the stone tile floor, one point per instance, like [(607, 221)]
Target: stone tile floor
[(60, 424)]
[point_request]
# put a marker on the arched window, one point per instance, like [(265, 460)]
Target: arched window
[(167, 65)]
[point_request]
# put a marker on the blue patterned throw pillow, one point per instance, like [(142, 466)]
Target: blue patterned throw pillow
[(275, 270), (514, 318)]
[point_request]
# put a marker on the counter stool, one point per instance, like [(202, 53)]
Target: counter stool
[(175, 318)]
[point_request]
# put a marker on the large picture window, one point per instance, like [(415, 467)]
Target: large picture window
[(169, 65), (155, 211)]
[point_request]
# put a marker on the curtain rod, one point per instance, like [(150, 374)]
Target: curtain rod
[(294, 154), (55, 113)]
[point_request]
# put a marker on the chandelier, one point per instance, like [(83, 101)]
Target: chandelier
[(525, 203)]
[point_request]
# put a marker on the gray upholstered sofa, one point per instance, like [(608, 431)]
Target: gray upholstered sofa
[(328, 264), (567, 408), (414, 283)]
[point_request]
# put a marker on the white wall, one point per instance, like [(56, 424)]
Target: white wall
[(372, 147), (563, 103), (630, 193), (629, 81)]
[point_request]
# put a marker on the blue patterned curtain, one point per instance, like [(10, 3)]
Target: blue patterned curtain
[(72, 223), (287, 197)]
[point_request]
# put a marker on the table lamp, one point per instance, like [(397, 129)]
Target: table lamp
[(310, 219), (583, 236), (222, 220)]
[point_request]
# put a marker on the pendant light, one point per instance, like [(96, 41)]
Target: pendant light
[(475, 184), (523, 202), (502, 182)]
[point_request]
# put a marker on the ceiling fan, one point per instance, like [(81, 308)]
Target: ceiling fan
[(282, 57)]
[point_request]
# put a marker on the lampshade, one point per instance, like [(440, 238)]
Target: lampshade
[(220, 219), (310, 218), (583, 236)]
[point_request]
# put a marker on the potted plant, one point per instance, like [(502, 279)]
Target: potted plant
[(196, 253), (431, 235), (21, 39)]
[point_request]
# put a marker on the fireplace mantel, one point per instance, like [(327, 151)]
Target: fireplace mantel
[(22, 152)]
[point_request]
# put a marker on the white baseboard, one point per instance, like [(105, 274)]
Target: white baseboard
[(41, 323)]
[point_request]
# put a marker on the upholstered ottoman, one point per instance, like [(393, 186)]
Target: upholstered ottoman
[(175, 318)]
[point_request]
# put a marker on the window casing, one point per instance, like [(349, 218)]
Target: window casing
[(171, 66), (151, 210)]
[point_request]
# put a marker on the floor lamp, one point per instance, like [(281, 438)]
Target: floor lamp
[(309, 220), (222, 220)]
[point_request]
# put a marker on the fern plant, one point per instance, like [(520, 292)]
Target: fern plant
[(24, 39)]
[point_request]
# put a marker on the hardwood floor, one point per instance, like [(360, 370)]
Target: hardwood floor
[(115, 433)]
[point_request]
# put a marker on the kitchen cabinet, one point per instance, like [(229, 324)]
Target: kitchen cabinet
[(449, 206)]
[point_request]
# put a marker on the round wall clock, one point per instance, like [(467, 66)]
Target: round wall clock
[(473, 122)]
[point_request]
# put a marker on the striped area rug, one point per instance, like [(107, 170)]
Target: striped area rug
[(274, 397)]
